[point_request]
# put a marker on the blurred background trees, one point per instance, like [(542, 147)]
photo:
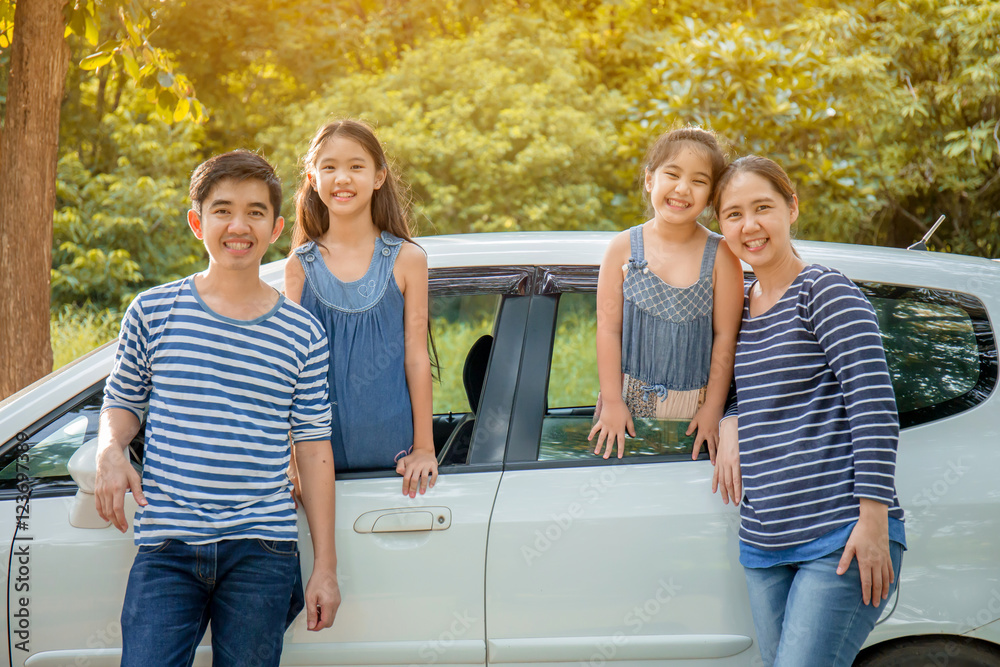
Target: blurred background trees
[(516, 115)]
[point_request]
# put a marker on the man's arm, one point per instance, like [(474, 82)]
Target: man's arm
[(315, 460), (115, 475)]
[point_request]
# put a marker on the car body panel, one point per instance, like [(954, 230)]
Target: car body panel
[(544, 563)]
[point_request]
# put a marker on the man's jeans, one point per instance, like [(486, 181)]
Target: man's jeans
[(244, 587), (807, 614)]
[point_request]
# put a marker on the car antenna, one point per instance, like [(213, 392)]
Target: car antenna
[(922, 243)]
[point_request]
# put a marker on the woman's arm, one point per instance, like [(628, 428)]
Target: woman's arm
[(614, 418), (419, 469), (846, 328), (727, 314)]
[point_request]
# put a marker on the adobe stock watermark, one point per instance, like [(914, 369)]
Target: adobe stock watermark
[(951, 649), (932, 494), (635, 619), (108, 637), (432, 651), (604, 478)]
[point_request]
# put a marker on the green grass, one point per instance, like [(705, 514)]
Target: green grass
[(77, 331)]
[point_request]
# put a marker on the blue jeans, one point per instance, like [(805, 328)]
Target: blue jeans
[(807, 614), (246, 588)]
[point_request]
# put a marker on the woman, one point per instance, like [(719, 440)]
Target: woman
[(812, 437)]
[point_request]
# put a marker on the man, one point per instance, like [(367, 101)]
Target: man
[(225, 368)]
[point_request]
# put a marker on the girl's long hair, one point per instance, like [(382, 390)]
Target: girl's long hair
[(390, 202)]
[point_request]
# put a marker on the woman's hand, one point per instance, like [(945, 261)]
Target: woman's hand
[(869, 543), (726, 476), (706, 423), (419, 470), (611, 426)]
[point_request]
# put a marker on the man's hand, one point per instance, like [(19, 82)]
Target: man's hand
[(419, 470), (322, 599), (115, 476)]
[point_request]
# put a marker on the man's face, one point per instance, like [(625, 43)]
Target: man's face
[(236, 223)]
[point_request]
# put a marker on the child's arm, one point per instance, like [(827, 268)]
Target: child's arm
[(727, 314), (295, 279), (419, 468), (319, 502), (614, 418)]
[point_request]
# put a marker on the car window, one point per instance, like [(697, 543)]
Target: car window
[(940, 349), (47, 447), (457, 322), (573, 389)]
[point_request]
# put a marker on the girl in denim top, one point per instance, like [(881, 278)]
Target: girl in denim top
[(355, 267), (669, 298)]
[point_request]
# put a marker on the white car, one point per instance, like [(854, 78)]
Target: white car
[(531, 550)]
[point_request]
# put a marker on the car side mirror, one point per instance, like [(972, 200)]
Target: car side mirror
[(83, 469)]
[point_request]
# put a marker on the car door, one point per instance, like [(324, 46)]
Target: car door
[(595, 562), (65, 583), (411, 570)]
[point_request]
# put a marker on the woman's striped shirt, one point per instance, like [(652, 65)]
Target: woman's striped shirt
[(818, 427), (222, 397)]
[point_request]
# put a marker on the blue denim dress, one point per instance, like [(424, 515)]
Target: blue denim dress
[(666, 336), (372, 417)]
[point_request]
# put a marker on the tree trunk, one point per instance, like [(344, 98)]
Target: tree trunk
[(28, 154)]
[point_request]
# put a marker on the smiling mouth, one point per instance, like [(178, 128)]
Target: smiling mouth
[(238, 245), (343, 195), (678, 204), (756, 244)]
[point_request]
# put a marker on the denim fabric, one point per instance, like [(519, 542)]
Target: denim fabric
[(667, 330), (807, 614), (372, 418), (244, 588)]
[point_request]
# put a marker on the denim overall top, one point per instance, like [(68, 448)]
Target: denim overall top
[(372, 417), (667, 330)]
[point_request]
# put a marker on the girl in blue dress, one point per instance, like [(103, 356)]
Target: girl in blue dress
[(668, 303), (355, 267)]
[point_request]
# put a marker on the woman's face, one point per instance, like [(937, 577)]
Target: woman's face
[(756, 220)]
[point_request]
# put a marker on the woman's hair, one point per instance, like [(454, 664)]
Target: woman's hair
[(389, 203), (668, 144), (767, 169)]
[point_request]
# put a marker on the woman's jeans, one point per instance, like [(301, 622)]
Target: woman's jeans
[(807, 614), (245, 587)]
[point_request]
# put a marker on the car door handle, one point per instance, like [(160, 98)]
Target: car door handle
[(404, 520)]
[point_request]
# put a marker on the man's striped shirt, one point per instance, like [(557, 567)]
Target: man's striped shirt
[(818, 427), (222, 396)]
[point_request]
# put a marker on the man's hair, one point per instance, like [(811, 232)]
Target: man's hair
[(238, 165)]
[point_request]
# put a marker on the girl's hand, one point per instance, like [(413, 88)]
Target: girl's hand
[(869, 543), (706, 422), (419, 470), (611, 425), (727, 463)]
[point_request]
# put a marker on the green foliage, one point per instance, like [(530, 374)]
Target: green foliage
[(77, 331), (125, 26), (122, 230), (497, 132)]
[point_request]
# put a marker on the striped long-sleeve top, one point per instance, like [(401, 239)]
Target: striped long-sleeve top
[(222, 396), (818, 426)]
